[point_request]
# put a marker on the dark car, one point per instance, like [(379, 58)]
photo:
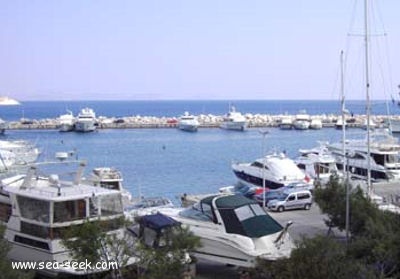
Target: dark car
[(269, 196)]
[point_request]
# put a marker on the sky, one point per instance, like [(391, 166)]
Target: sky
[(194, 49)]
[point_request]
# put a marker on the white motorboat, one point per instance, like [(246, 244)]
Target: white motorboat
[(276, 169), (384, 156), (372, 124), (234, 120), (286, 123), (38, 206), (318, 163), (339, 123), (109, 178), (233, 230), (25, 152), (86, 121), (66, 122), (188, 122), (316, 124), (302, 121)]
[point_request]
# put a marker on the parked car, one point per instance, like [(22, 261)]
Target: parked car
[(269, 196), (291, 200)]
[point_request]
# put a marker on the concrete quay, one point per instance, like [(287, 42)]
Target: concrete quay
[(206, 121)]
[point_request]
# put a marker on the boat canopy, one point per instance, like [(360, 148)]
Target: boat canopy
[(245, 217), (157, 221)]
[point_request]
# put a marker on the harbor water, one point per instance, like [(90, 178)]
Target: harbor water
[(169, 162)]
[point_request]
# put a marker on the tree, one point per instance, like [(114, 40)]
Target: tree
[(6, 269), (374, 233), (89, 242), (318, 257), (169, 260)]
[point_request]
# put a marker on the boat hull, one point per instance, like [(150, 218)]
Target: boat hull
[(85, 126), (188, 127), (235, 126)]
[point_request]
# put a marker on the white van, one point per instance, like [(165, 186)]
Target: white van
[(297, 199)]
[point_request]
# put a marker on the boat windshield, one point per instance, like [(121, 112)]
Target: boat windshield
[(199, 211)]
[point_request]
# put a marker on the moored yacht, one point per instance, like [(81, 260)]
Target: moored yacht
[(66, 122), (38, 207), (86, 121), (316, 124), (384, 156), (286, 122), (188, 122), (302, 120), (233, 230), (318, 163), (25, 152), (109, 178), (276, 169), (234, 120)]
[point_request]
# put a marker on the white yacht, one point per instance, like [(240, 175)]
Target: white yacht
[(302, 121), (276, 169), (188, 122), (234, 120), (318, 163), (372, 124), (316, 124), (86, 121), (37, 207), (109, 178), (384, 156), (66, 122), (339, 123), (233, 230), (286, 122), (25, 152)]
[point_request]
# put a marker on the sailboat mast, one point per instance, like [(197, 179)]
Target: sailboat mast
[(368, 107), (343, 111)]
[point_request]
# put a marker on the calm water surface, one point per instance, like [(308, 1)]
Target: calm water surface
[(169, 162)]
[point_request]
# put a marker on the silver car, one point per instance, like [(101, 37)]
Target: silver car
[(291, 200)]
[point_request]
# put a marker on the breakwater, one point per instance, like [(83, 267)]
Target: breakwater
[(206, 121)]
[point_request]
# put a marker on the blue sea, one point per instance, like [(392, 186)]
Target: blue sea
[(169, 162), (52, 109)]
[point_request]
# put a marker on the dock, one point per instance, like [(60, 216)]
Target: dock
[(206, 121)]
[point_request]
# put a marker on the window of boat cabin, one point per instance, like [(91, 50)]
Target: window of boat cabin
[(301, 166), (66, 211), (258, 165), (113, 185), (110, 205), (33, 209), (322, 168)]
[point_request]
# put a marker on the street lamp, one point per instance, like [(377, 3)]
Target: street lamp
[(264, 132)]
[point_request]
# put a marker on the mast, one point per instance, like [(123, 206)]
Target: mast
[(345, 156), (368, 106), (343, 111)]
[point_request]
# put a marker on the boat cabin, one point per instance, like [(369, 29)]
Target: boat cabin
[(238, 215)]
